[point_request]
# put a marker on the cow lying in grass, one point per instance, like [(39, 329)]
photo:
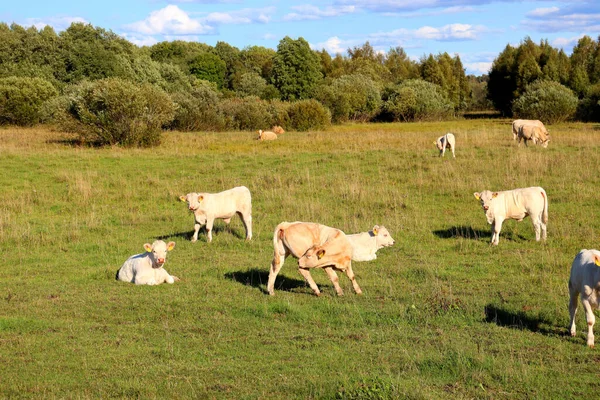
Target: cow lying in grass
[(315, 246), (147, 268), (266, 135), (366, 244)]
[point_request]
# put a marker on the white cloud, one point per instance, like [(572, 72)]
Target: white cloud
[(566, 43), (445, 11), (480, 67), (310, 12), (58, 23), (170, 20), (332, 45), (541, 12), (451, 32), (245, 16), (140, 40)]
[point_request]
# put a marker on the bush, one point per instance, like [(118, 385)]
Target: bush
[(21, 99), (305, 115), (114, 111), (547, 101), (589, 107), (417, 100), (351, 97), (198, 109), (279, 113), (249, 113)]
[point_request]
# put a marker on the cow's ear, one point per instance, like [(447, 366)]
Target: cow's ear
[(477, 196), (495, 195), (597, 260), (320, 253), (170, 246), (183, 198), (148, 247), (375, 230), (200, 198)]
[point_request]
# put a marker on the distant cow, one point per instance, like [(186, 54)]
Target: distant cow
[(210, 206), (147, 268), (366, 244), (515, 204), (315, 246), (585, 280), (537, 134), (278, 130), (448, 141), (266, 135), (542, 137)]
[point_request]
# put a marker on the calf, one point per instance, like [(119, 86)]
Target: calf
[(147, 268), (266, 135), (515, 204), (209, 206), (315, 246), (585, 281), (278, 130), (448, 141), (366, 244)]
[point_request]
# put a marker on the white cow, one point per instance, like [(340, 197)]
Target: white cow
[(224, 205), (518, 123), (266, 135), (448, 141), (315, 246), (147, 268), (537, 134), (366, 244), (585, 280), (515, 204)]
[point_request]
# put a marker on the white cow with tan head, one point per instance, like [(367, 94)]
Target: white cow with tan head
[(147, 268)]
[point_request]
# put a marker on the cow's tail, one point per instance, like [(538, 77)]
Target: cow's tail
[(545, 213)]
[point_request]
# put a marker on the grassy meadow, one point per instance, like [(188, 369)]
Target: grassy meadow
[(443, 315)]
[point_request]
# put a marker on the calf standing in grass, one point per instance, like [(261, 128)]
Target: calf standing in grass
[(315, 246), (147, 268), (515, 204), (585, 281), (209, 206), (448, 141), (366, 244)]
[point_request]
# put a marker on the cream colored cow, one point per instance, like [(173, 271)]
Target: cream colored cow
[(147, 268), (266, 135), (278, 130), (518, 123), (210, 206), (515, 204), (585, 281), (315, 246), (366, 244), (448, 141), (537, 134)]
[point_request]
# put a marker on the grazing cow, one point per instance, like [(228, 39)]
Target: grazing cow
[(515, 204), (147, 268), (366, 244), (448, 141), (278, 130), (516, 124), (537, 134), (315, 246), (223, 205), (585, 280), (266, 135)]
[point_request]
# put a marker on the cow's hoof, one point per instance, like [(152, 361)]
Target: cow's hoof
[(194, 240), (573, 334)]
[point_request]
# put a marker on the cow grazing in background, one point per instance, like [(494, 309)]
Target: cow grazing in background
[(537, 134), (266, 135), (542, 137), (448, 141), (210, 206), (315, 246), (147, 268), (366, 244), (585, 281), (515, 204)]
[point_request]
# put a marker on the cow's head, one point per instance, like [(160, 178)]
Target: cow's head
[(259, 134), (158, 252), (545, 142), (312, 257), (382, 236), (439, 144), (193, 200), (597, 259), (486, 198)]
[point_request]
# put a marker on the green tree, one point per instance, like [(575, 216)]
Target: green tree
[(296, 69), (21, 99), (547, 101), (502, 82), (351, 97), (209, 66)]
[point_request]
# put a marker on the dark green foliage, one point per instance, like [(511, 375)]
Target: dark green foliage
[(296, 69), (479, 100), (249, 113), (589, 107), (547, 101), (114, 111), (22, 98), (198, 109), (306, 115), (351, 97), (210, 67), (416, 100)]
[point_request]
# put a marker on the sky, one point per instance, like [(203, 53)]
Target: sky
[(476, 30)]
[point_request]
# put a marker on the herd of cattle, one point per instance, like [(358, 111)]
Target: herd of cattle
[(320, 246)]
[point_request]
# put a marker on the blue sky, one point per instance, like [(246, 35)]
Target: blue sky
[(477, 30)]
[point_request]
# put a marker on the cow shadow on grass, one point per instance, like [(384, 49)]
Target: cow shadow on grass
[(521, 320), (202, 234), (468, 232), (259, 279)]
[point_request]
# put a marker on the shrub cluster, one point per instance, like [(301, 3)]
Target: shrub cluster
[(547, 101), (198, 109), (305, 115), (417, 100), (589, 107), (21, 99)]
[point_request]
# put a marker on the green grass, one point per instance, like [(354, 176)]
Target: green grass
[(443, 313)]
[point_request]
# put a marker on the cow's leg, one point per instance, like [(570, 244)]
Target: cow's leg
[(196, 230), (209, 226), (336, 281), (350, 275), (453, 155), (537, 226), (544, 229), (247, 220), (279, 256), (306, 274), (572, 308), (443, 151), (496, 227), (591, 319)]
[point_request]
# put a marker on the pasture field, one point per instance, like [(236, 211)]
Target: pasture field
[(443, 315)]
